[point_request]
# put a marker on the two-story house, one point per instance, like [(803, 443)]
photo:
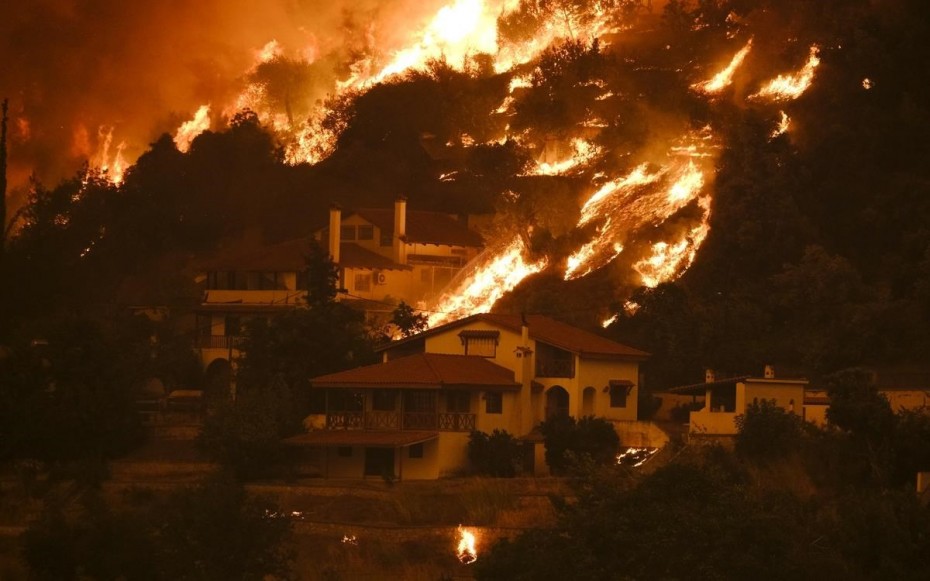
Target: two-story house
[(726, 398), (410, 416), (410, 256), (384, 256)]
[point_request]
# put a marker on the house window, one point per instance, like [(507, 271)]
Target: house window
[(347, 233), (420, 401), (619, 390), (344, 451), (269, 281), (493, 402), (457, 402), (426, 275), (415, 451), (233, 325), (366, 232), (386, 239), (382, 400), (363, 282), (481, 343)]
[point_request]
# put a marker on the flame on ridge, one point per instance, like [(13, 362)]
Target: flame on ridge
[(191, 129), (787, 87), (584, 151), (724, 78), (111, 169), (478, 287)]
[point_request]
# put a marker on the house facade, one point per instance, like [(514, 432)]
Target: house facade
[(386, 255), (727, 398), (410, 416)]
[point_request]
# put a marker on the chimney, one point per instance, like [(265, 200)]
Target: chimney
[(400, 230), (335, 231), (709, 376), (769, 372)]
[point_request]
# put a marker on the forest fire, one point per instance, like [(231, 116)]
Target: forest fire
[(466, 550), (787, 87), (477, 288), (191, 129), (724, 78)]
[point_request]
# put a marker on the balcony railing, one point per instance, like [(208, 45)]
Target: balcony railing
[(220, 341), (555, 368), (377, 420)]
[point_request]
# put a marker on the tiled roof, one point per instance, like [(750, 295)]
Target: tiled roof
[(394, 439), (546, 330), (425, 227), (424, 371), (352, 255), (284, 256)]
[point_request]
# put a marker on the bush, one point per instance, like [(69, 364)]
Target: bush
[(569, 440), (767, 432), (497, 454)]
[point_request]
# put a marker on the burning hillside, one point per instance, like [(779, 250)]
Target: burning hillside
[(610, 98)]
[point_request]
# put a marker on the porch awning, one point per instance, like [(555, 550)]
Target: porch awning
[(373, 439)]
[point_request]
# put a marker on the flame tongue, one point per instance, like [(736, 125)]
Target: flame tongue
[(787, 87), (466, 551)]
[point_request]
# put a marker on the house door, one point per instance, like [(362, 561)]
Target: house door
[(556, 402), (379, 462), (587, 401)]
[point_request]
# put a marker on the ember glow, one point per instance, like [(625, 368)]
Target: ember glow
[(787, 87), (477, 288), (724, 78), (466, 550), (112, 167)]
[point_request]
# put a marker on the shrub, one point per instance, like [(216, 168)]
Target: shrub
[(767, 431), (568, 439), (494, 454)]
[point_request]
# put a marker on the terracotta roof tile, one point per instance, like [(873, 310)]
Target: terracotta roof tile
[(424, 371), (546, 330), (425, 227)]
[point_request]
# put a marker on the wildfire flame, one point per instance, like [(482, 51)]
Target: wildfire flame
[(787, 87), (724, 78), (465, 550), (191, 129), (783, 125), (491, 275), (111, 169)]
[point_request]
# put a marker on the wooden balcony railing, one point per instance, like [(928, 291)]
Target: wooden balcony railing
[(220, 341), (457, 422), (345, 420), (377, 420)]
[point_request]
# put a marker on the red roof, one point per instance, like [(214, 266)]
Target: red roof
[(284, 256), (352, 255), (425, 227), (546, 330), (425, 371)]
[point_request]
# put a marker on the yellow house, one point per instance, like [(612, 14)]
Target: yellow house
[(410, 416), (383, 253), (383, 256), (724, 399), (905, 388)]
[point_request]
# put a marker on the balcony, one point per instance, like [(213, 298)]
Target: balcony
[(219, 341), (378, 420), (710, 423)]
